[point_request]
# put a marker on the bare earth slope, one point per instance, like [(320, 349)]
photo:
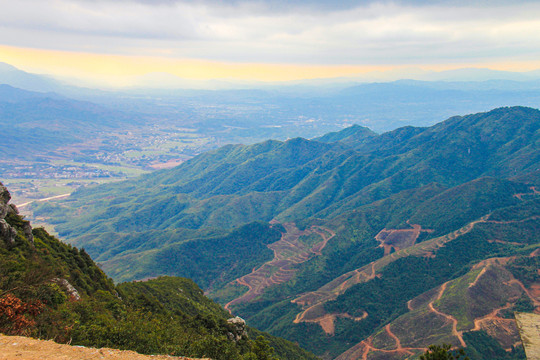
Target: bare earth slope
[(18, 347)]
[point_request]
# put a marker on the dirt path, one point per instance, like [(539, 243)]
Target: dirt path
[(23, 348), (534, 299), (482, 272), (43, 200), (288, 252), (454, 321), (512, 221), (362, 349), (507, 326), (491, 316), (534, 192), (399, 348), (409, 306)]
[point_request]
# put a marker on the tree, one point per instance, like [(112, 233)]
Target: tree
[(443, 352), (17, 316), (262, 349)]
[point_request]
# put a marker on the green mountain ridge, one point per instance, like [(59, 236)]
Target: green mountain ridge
[(301, 178), (303, 238), (52, 290)]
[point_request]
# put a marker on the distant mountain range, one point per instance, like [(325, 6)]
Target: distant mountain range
[(249, 112), (353, 244), (38, 82), (35, 122)]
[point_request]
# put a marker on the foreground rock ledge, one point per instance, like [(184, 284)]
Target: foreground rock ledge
[(19, 347)]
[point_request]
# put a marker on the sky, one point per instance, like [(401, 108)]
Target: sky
[(116, 41)]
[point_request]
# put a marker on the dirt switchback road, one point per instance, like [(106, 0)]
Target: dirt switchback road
[(23, 348)]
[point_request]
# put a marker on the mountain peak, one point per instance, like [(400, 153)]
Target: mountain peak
[(353, 136)]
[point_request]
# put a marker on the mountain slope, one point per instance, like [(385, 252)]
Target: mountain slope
[(298, 178), (53, 290), (336, 237), (33, 122), (356, 276)]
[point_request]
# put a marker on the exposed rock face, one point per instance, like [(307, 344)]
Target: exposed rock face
[(7, 233), (70, 290), (238, 329), (27, 228), (5, 196)]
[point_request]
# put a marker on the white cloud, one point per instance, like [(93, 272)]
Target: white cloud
[(274, 32)]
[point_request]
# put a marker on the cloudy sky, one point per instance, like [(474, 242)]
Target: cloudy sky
[(267, 39)]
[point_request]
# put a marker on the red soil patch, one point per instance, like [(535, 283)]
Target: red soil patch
[(503, 330), (532, 294), (399, 238), (326, 321), (362, 349), (535, 291)]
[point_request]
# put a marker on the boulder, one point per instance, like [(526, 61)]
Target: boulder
[(238, 328), (7, 233)]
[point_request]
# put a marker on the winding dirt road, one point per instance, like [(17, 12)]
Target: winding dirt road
[(455, 332)]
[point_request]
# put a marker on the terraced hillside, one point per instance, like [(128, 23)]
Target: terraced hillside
[(328, 242), (288, 251)]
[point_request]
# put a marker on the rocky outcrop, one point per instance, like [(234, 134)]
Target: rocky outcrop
[(238, 328), (7, 233), (27, 230), (70, 290), (5, 196)]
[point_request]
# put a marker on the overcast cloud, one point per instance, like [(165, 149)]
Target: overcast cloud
[(276, 31)]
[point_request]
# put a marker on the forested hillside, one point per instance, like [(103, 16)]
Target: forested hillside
[(355, 245), (54, 291)]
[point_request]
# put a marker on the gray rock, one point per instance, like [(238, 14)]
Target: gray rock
[(5, 196), (70, 290), (14, 209), (238, 328), (3, 210), (7, 233), (27, 228)]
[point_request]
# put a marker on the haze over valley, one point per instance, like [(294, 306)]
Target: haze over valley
[(264, 180)]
